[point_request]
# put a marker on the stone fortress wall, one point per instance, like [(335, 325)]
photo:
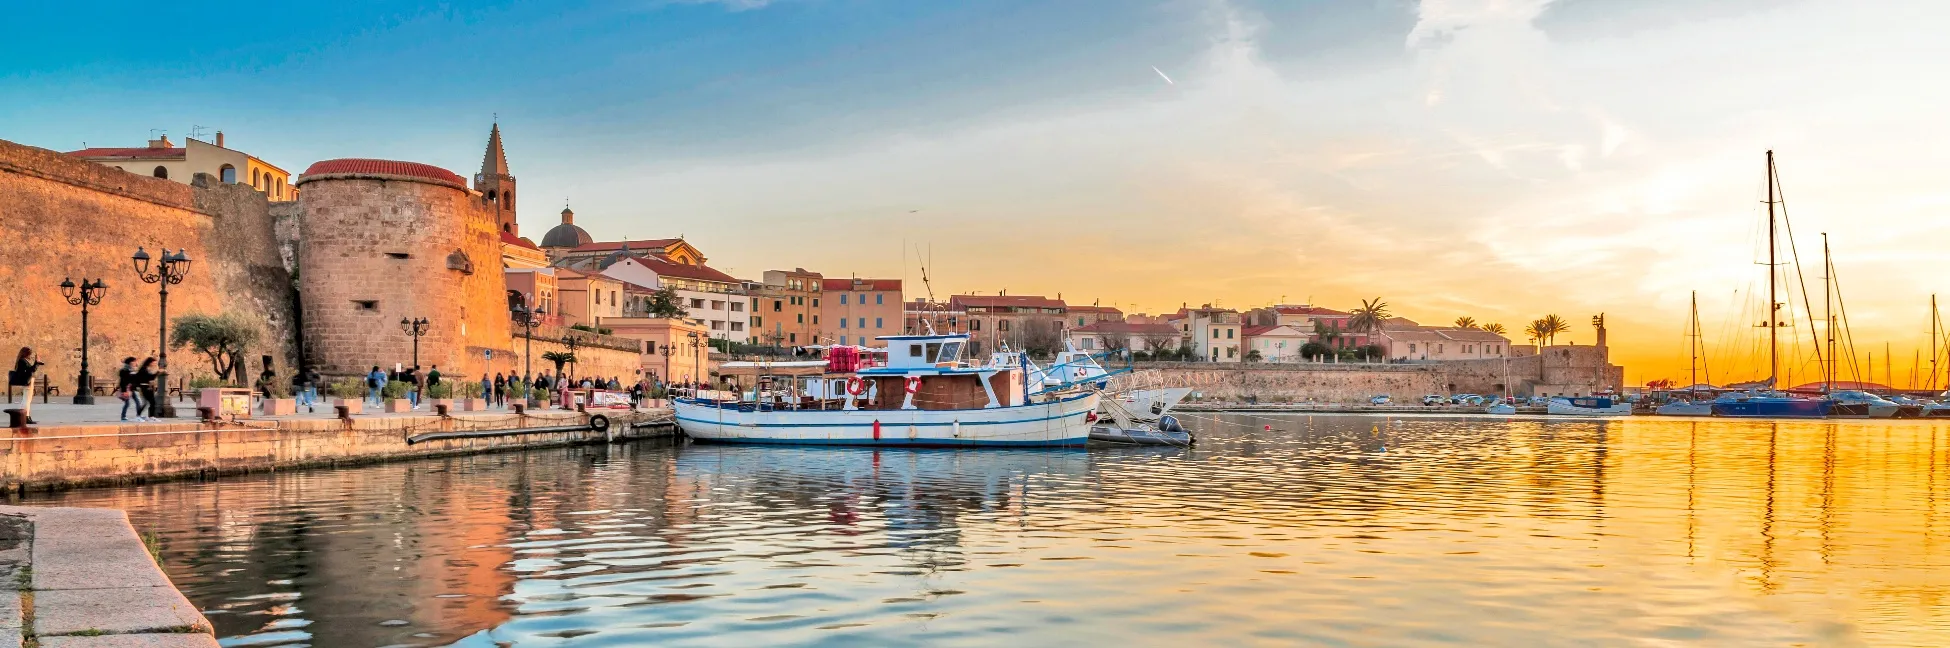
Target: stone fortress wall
[(1557, 370), (63, 217), (376, 248)]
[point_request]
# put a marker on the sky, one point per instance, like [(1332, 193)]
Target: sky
[(1499, 159)]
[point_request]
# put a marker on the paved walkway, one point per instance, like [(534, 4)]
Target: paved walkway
[(109, 410), (84, 579)]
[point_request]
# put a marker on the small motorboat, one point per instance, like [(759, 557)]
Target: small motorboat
[(1501, 408), (1908, 407), (1166, 432), (1587, 406), (1860, 404)]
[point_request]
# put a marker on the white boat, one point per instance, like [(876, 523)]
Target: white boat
[(1865, 405), (1149, 404), (1501, 408), (1686, 408), (1587, 406), (924, 396)]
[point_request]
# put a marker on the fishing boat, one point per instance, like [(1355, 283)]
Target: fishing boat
[(925, 395), (1693, 404), (1587, 406)]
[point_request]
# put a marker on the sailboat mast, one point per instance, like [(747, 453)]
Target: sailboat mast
[(1692, 368), (1933, 322), (1773, 344), (1828, 366)]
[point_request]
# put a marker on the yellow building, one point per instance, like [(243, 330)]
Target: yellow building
[(163, 159), (675, 349)]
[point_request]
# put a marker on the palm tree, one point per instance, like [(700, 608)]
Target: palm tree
[(1493, 327), (559, 358), (1466, 322), (1553, 325), (1535, 331), (1370, 316)]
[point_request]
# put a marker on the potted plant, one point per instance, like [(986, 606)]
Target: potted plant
[(349, 394), (442, 394), (394, 393), (472, 398), (280, 402), (518, 394)]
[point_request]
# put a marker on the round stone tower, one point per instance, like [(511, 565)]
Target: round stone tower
[(383, 240)]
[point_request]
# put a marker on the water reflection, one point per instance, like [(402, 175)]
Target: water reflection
[(1273, 529)]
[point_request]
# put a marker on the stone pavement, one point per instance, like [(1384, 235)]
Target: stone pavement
[(85, 579), (108, 409)]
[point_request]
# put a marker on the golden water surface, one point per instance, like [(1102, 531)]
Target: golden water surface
[(1343, 530)]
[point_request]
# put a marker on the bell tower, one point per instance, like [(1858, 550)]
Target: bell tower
[(495, 185)]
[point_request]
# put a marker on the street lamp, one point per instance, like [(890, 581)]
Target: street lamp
[(170, 269), (418, 329), (89, 294), (527, 320), (666, 377), (696, 365)]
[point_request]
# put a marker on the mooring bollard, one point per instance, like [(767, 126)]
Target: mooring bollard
[(208, 414), (520, 409), (16, 418), (345, 413), (440, 409)]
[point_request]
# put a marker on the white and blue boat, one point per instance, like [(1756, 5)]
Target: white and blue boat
[(1769, 405), (925, 396)]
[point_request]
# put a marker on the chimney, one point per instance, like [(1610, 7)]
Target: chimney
[(161, 143), (219, 139)]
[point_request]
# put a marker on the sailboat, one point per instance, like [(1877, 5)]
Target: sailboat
[(1693, 405), (1770, 404), (1502, 406)]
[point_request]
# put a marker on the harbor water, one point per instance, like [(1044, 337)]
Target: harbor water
[(1327, 530)]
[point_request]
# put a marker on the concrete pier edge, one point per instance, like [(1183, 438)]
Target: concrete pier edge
[(84, 579)]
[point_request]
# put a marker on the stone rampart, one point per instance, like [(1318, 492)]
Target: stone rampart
[(63, 217), (1576, 370), (77, 455)]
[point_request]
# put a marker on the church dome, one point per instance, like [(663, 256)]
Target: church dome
[(566, 235)]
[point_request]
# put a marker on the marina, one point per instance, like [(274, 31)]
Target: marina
[(1378, 530)]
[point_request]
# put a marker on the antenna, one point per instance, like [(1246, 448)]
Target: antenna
[(196, 131), (154, 131)]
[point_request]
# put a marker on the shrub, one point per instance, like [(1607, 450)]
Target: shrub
[(441, 390), (201, 381), (470, 390), (278, 388), (394, 390), (347, 388), (518, 390)]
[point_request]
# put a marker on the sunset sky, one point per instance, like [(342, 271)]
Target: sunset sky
[(1501, 159)]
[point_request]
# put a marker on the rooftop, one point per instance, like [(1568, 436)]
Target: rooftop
[(830, 285), (381, 169), (1127, 328), (999, 301), (131, 153)]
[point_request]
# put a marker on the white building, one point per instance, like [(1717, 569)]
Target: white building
[(707, 295), (1275, 343)]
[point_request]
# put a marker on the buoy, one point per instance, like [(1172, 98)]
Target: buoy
[(1269, 428)]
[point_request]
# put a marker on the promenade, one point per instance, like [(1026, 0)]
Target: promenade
[(84, 579)]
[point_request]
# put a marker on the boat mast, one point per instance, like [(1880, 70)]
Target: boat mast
[(1828, 313), (1773, 306), (1934, 318), (1692, 368)]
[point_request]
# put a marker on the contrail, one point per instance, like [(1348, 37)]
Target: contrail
[(1161, 73)]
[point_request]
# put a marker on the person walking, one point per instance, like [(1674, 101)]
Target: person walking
[(144, 382), (433, 377), (264, 380), (306, 384), (487, 388), (500, 391), (125, 389), (374, 382), (22, 375), (415, 383)]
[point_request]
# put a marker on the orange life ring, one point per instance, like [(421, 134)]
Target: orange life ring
[(856, 386), (913, 384)]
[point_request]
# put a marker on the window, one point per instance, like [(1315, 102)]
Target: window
[(366, 304), (1079, 321), (737, 326), (1232, 352), (1002, 325), (914, 350), (612, 298), (863, 322), (1089, 344), (697, 303), (777, 305), (1215, 334), (877, 299), (842, 322), (649, 347), (877, 323), (792, 338), (758, 321), (737, 307), (1229, 333), (815, 319), (802, 318), (228, 174), (842, 299), (1411, 347), (161, 173), (973, 325), (815, 302)]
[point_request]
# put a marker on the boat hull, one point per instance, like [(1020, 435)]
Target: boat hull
[(1140, 436), (1148, 404), (1557, 408), (1772, 408), (1683, 408), (1062, 423)]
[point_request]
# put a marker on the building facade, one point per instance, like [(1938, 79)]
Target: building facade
[(1275, 343), (1023, 322), (858, 310), (786, 309), (163, 159)]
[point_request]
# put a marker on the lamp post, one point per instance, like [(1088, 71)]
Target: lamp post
[(88, 294), (696, 366), (527, 320), (666, 377), (170, 269), (418, 329)]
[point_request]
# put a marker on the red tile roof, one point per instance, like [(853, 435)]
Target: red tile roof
[(995, 301), (1095, 309), (610, 246), (136, 152), (368, 167), (510, 239), (831, 285), (1127, 328), (666, 268)]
